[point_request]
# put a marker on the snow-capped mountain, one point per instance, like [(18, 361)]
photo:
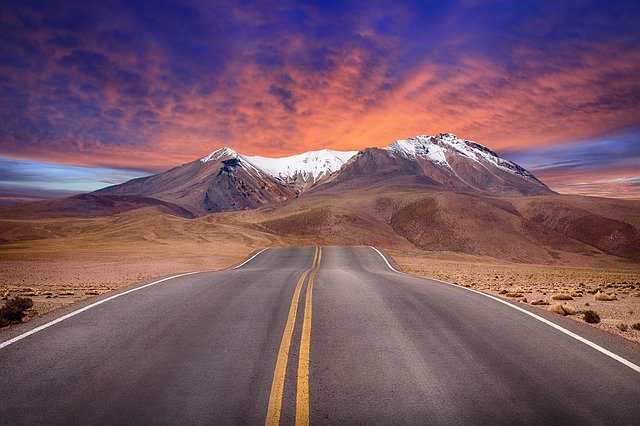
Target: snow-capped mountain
[(221, 181), (441, 162), (303, 170), (437, 148), (300, 171), (226, 180)]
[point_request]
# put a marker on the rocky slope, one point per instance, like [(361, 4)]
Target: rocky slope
[(437, 162), (226, 180)]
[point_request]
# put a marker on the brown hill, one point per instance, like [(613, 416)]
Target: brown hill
[(88, 205), (522, 229), (550, 229)]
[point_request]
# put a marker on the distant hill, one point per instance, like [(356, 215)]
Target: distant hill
[(435, 193), (88, 205)]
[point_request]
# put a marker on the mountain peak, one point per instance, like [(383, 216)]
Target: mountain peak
[(220, 153), (303, 169), (442, 146)]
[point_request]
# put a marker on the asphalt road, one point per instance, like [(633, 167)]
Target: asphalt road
[(330, 335)]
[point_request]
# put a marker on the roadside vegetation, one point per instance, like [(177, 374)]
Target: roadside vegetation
[(591, 316), (612, 292), (14, 310)]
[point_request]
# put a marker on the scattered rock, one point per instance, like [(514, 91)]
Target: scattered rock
[(513, 294), (92, 293), (67, 293), (605, 297), (540, 302), (562, 309), (561, 296)]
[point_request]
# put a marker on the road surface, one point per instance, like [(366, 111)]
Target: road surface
[(327, 335)]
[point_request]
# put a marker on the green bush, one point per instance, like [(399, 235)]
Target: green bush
[(14, 310), (591, 317)]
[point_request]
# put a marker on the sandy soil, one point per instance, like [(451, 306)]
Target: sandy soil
[(59, 261), (528, 283), (78, 259), (58, 282)]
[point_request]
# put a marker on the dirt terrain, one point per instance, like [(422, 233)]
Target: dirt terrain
[(60, 261), (507, 246), (576, 286)]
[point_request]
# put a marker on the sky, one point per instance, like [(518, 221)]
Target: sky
[(95, 93)]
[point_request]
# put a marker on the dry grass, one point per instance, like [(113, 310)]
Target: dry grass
[(539, 283), (59, 261), (81, 258)]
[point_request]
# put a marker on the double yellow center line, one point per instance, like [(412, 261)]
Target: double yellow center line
[(277, 385)]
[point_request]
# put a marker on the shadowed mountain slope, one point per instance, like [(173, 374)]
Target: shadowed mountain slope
[(222, 182)]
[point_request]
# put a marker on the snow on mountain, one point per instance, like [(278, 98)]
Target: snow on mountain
[(436, 147), (218, 154), (303, 170), (308, 167)]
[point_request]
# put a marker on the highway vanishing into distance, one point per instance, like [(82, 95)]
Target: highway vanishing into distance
[(326, 335)]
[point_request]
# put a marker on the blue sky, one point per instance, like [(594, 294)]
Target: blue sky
[(139, 87)]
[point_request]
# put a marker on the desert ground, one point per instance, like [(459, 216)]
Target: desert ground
[(58, 261), (542, 286)]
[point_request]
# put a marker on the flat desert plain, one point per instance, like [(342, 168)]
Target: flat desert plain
[(60, 261), (576, 288)]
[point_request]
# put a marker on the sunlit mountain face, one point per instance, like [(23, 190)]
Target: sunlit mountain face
[(97, 94)]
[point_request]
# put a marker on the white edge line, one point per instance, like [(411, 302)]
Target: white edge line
[(100, 302), (595, 346), (385, 260), (93, 305), (246, 261)]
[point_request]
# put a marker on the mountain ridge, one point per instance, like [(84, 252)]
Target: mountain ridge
[(226, 180), (435, 193)]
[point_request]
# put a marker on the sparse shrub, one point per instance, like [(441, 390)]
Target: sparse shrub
[(591, 316), (623, 327), (636, 326), (14, 310)]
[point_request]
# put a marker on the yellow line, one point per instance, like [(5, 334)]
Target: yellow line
[(277, 385), (302, 395), (315, 257)]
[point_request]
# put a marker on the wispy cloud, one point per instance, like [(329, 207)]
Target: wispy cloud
[(147, 86), (607, 166), (24, 180)]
